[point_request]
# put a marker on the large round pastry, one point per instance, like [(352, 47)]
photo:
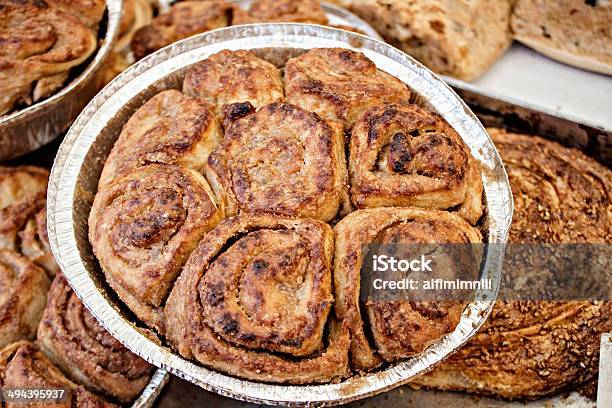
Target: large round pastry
[(528, 349), (213, 219)]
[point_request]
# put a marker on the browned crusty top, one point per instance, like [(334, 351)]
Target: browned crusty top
[(183, 20), (169, 128), (283, 160), (281, 11), (230, 77), (402, 155), (74, 340), (340, 84)]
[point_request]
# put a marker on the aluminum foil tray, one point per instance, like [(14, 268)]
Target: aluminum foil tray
[(27, 129), (77, 168)]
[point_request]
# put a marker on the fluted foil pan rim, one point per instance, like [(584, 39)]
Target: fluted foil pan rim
[(146, 77), (27, 129)]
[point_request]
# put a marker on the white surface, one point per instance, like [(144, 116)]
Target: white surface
[(526, 75)]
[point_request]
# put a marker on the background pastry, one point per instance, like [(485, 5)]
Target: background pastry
[(460, 38), (340, 84), (399, 328), (72, 338), (281, 11), (40, 45), (282, 160), (230, 77), (528, 349), (23, 366), (170, 128), (259, 288), (403, 155), (142, 228), (183, 20), (578, 33), (23, 294), (35, 243)]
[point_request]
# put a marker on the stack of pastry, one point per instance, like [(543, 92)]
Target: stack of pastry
[(214, 216), (528, 349), (48, 338), (42, 41)]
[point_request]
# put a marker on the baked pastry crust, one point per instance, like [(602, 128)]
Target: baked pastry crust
[(23, 294), (35, 243), (170, 128), (184, 19), (72, 338), (530, 349), (230, 77), (340, 84), (281, 11), (282, 160), (142, 228), (404, 155), (257, 286), (573, 32), (23, 366), (39, 45), (399, 328)]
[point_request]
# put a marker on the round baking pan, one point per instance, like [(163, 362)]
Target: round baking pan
[(27, 129), (77, 168)]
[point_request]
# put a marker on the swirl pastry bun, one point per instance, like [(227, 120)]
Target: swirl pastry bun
[(142, 228), (530, 349), (281, 11), (404, 155), (399, 328), (23, 366), (23, 294), (39, 45), (170, 128), (230, 77), (72, 338), (184, 19), (282, 160), (257, 289), (340, 84)]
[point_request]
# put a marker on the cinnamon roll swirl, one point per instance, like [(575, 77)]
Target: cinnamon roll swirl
[(281, 11), (142, 228), (340, 84), (529, 349), (403, 155), (399, 328), (230, 77), (170, 128), (39, 45), (90, 12), (23, 294), (184, 19), (135, 15), (23, 366), (254, 301), (72, 338), (282, 160), (35, 243)]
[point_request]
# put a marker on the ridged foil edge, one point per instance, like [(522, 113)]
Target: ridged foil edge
[(146, 78), (29, 128)]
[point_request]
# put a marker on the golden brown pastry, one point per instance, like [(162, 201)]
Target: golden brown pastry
[(136, 14), (529, 349), (461, 38), (72, 338), (170, 128), (142, 228), (281, 11), (281, 160), (39, 45), (23, 366), (404, 155), (230, 77), (184, 19), (35, 243), (90, 12), (254, 301), (340, 84), (399, 328), (23, 294)]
